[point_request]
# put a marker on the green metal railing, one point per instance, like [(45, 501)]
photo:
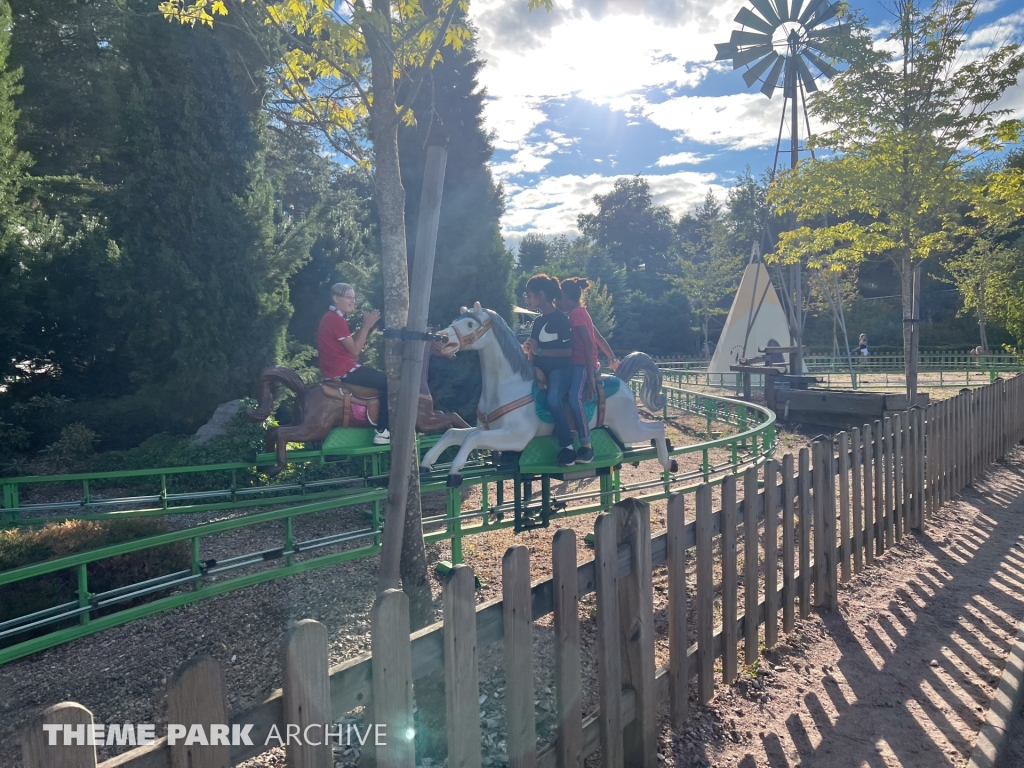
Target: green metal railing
[(927, 361), (751, 441)]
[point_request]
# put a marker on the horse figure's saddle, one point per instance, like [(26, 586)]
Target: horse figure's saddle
[(606, 387), (362, 404)]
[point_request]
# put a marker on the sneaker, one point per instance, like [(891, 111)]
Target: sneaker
[(585, 455), (382, 438), (566, 457)]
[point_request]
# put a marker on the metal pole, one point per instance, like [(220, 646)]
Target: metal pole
[(794, 159), (403, 423)]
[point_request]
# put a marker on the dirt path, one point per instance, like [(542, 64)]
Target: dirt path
[(903, 674)]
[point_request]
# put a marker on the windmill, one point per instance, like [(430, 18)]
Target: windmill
[(779, 47)]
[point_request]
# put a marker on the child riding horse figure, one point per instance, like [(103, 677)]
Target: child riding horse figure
[(508, 418), (350, 394)]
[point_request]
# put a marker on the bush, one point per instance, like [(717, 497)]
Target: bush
[(77, 442), (20, 547)]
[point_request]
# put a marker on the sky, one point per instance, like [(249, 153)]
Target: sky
[(596, 90)]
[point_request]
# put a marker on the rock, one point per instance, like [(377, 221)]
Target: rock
[(218, 423)]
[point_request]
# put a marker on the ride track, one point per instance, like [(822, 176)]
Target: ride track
[(751, 444)]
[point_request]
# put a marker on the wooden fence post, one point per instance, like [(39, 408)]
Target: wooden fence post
[(917, 446), (771, 553), (868, 541), (36, 751), (705, 596), (392, 680), (828, 528), (520, 713), (878, 531), (930, 459), (922, 462), (609, 654), (636, 617), (858, 508), (751, 504), (806, 514), (729, 581), (889, 474), (568, 683), (897, 475), (461, 676), (195, 696), (307, 693), (820, 479), (844, 506), (788, 544), (678, 603)]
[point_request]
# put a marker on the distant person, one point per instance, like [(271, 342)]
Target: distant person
[(586, 342), (704, 351), (862, 345), (339, 351), (773, 358)]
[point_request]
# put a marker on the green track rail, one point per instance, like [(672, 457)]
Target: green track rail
[(751, 440)]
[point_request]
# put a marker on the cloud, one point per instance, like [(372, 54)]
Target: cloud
[(507, 24), (681, 158), (550, 206), (736, 121)]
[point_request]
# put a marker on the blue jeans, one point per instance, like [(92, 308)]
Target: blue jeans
[(579, 412), (558, 387)]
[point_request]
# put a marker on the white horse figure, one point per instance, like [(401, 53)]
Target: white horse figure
[(507, 419)]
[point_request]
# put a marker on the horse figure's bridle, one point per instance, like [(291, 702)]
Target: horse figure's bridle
[(473, 336), (486, 419)]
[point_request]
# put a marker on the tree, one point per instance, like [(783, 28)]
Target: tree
[(984, 276), (204, 264), (906, 117), (533, 253), (13, 163), (711, 271), (630, 227), (341, 67)]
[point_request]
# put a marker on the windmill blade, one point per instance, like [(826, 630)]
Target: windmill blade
[(812, 7), (794, 12), (749, 38), (782, 8), (837, 31), (750, 54), (725, 51), (766, 9), (748, 18), (825, 47), (805, 75), (771, 82), (826, 69), (823, 15), (751, 75)]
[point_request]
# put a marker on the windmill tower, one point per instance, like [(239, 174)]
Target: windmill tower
[(778, 48)]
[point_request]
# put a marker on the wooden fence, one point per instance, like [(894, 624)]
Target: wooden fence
[(820, 517)]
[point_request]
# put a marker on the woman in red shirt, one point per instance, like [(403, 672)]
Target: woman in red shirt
[(338, 350), (585, 343)]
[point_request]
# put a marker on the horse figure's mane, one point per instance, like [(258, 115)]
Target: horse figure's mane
[(507, 342)]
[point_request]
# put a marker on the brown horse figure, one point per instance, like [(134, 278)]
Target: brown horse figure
[(320, 413)]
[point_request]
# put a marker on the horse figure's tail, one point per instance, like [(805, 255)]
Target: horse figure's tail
[(650, 392), (278, 374)]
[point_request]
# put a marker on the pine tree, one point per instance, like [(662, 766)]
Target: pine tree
[(12, 172), (204, 289)]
